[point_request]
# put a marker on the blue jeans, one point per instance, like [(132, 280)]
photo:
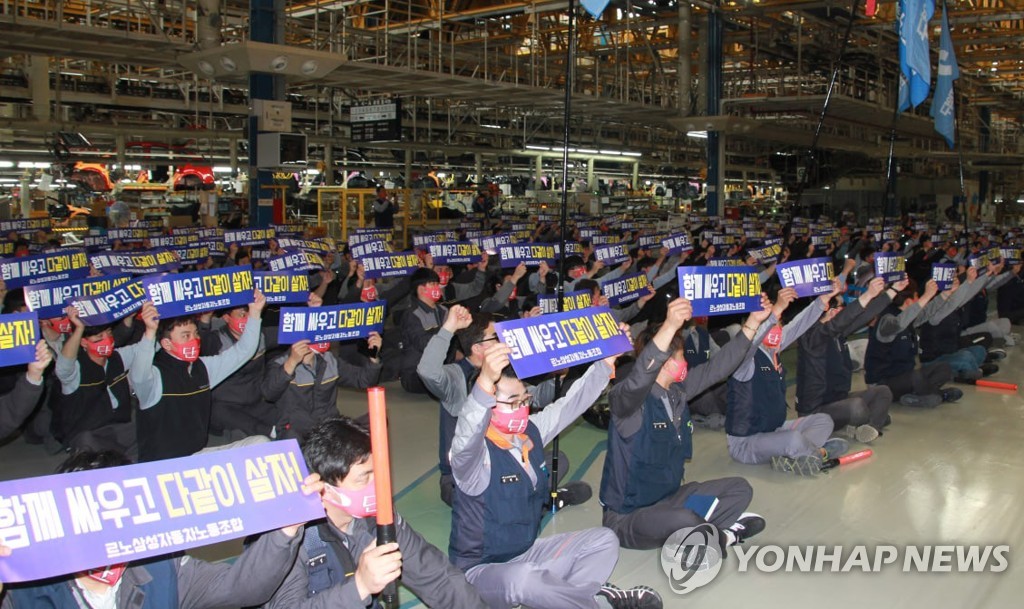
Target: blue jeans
[(964, 360)]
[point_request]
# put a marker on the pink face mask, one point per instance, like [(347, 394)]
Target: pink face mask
[(577, 272), (444, 276), (678, 369), (61, 324), (369, 293), (773, 339), (510, 422), (358, 504), (319, 347)]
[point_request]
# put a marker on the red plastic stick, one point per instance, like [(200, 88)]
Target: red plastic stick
[(850, 458), (381, 455), (995, 385)]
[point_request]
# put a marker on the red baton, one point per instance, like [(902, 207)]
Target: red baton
[(850, 458)]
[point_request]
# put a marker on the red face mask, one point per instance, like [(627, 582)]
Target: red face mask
[(108, 575), (678, 369), (577, 272), (510, 422), (444, 276), (237, 324), (514, 294), (773, 339), (102, 348), (187, 351), (369, 293), (433, 294), (319, 347), (61, 324)]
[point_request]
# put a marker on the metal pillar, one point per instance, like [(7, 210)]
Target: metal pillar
[(539, 171), (266, 22), (39, 82), (591, 183), (713, 77), (636, 176), (328, 165)]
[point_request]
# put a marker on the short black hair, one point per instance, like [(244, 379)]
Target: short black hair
[(168, 325), (474, 332), (573, 261), (334, 446), (86, 460), (94, 330), (587, 284), (422, 277), (14, 300)]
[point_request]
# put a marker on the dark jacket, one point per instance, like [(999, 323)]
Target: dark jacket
[(16, 405)]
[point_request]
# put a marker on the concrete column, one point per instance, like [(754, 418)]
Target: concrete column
[(713, 82), (702, 63), (328, 165), (478, 165), (122, 157), (539, 170), (39, 84), (26, 195), (636, 175), (591, 182), (685, 53)]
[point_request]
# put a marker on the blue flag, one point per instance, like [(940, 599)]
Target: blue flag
[(915, 61), (943, 105)]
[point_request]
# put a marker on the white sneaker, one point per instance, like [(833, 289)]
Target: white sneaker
[(865, 434)]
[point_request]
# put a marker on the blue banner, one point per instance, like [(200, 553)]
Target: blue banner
[(309, 245), (177, 294), (571, 301), (50, 299), (454, 252), (149, 224), (944, 274), (491, 243), (283, 287), (174, 241), (289, 230), (19, 333), (605, 239), (890, 266), (571, 248), (217, 249), (471, 234), (720, 291), (626, 289), (369, 248), (979, 261), (112, 305), (296, 261), (25, 226), (398, 264), (136, 263), (70, 523), (328, 324), (651, 241), (424, 239), (1011, 255), (193, 254), (43, 268), (677, 244), (369, 235), (811, 277), (532, 254), (612, 255), (243, 237), (561, 340), (128, 235), (767, 254), (723, 261)]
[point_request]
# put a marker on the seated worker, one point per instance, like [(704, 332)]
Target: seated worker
[(707, 409), (168, 582), (501, 293), (451, 382), (649, 441), (825, 370), (173, 384), (18, 403), (501, 482), (755, 425), (940, 338), (340, 564), (419, 324), (94, 408), (303, 384), (891, 356)]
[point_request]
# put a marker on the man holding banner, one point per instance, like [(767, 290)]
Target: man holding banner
[(18, 404), (649, 440), (173, 384)]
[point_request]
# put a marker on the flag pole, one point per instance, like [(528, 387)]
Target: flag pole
[(956, 131), (570, 59)]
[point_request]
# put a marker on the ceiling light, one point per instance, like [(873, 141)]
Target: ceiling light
[(228, 64), (633, 154), (611, 152), (205, 67), (6, 164), (279, 63), (532, 147), (221, 169), (309, 67), (701, 135)]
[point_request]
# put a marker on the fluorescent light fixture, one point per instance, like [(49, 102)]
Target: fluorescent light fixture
[(486, 126), (611, 152), (221, 169), (9, 180), (6, 164), (24, 164), (700, 135), (532, 147), (312, 172), (587, 151), (133, 167), (633, 154)]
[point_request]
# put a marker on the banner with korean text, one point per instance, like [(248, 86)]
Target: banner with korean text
[(720, 290), (326, 324)]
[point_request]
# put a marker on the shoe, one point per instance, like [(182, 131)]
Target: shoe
[(638, 597), (847, 431), (967, 376), (713, 421), (835, 447), (951, 394), (1010, 341), (573, 493), (989, 369), (994, 355), (866, 434), (748, 525), (920, 401), (808, 465)]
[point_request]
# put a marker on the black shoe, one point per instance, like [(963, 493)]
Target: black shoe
[(573, 493), (639, 597), (989, 369), (951, 394), (994, 355), (747, 526)]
